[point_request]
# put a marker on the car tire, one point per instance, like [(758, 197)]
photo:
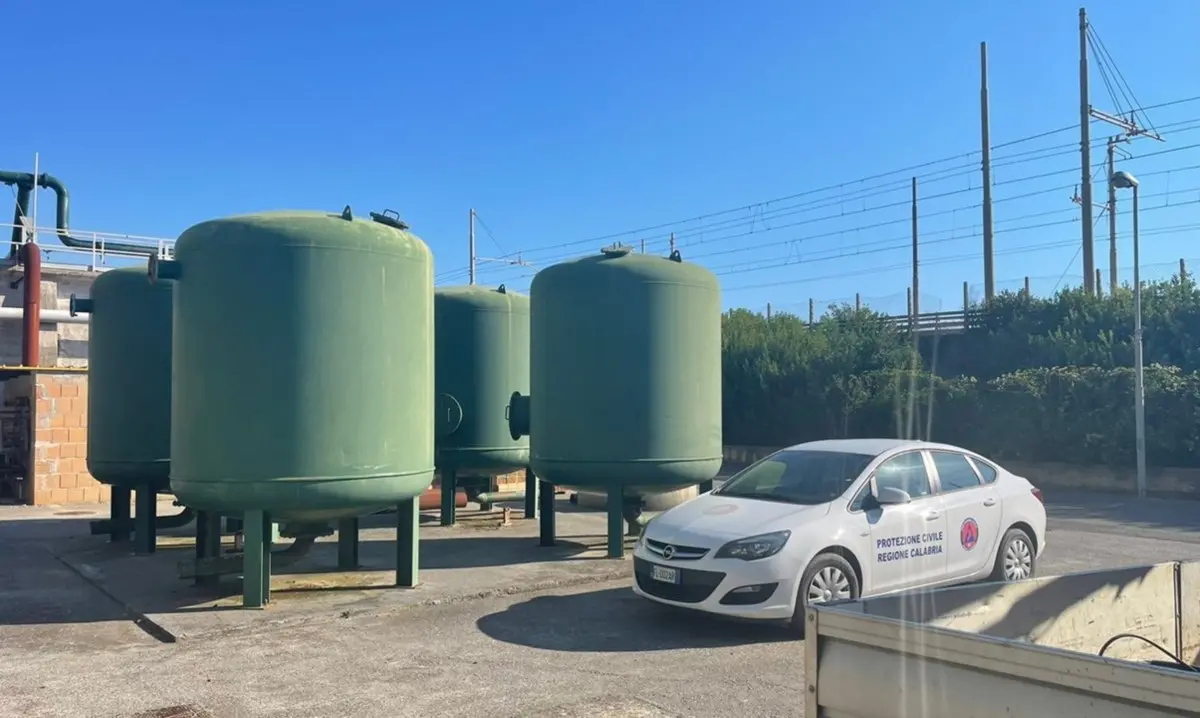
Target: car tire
[(1015, 551), (825, 564)]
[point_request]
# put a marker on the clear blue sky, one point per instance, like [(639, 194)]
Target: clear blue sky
[(564, 121)]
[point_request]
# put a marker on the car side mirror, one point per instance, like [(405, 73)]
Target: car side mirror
[(889, 495)]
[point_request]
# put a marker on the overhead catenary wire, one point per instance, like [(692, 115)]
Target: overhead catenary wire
[(902, 220), (693, 239), (963, 257), (846, 196)]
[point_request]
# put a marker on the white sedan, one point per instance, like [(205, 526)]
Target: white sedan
[(840, 519)]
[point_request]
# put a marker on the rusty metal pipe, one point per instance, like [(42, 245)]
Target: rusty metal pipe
[(431, 499), (31, 318)]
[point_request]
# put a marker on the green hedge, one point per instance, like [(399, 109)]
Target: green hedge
[(1031, 380)]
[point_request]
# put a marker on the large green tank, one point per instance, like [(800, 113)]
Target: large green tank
[(482, 357), (625, 366), (129, 379), (303, 364)]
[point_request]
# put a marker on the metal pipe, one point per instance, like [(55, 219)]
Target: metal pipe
[(488, 498), (1139, 371), (31, 256), (229, 564), (43, 369), (52, 316), (62, 213)]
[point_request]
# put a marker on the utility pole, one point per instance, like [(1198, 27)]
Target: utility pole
[(672, 243), (989, 257), (1129, 129), (916, 282), (471, 247), (643, 246), (1085, 151), (1112, 221)]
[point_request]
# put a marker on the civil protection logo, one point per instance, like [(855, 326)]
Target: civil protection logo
[(968, 534)]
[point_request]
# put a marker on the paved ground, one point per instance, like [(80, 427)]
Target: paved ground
[(468, 643)]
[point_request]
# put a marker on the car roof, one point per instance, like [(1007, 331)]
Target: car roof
[(872, 447)]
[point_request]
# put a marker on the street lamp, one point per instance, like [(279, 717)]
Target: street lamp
[(1124, 180)]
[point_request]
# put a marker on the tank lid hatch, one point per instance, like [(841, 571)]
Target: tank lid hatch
[(391, 218), (616, 250)]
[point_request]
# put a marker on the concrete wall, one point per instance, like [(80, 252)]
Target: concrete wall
[(61, 344), (1160, 480)]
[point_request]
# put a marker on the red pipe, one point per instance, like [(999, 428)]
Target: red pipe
[(432, 499), (31, 315)]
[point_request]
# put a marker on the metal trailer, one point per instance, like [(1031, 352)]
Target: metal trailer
[(1014, 649)]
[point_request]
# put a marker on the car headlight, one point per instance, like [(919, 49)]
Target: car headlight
[(641, 540), (753, 548)]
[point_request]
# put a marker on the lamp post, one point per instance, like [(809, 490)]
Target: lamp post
[(1124, 180)]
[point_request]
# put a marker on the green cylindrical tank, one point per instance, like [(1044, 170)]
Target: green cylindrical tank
[(482, 357), (625, 373), (303, 364), (129, 379)]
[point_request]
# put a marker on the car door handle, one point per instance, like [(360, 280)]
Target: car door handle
[(933, 515), (989, 502)]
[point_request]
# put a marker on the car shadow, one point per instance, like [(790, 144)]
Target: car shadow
[(615, 620)]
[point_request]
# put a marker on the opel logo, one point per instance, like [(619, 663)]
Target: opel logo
[(668, 552)]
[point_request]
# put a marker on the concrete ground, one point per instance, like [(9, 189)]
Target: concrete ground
[(500, 627)]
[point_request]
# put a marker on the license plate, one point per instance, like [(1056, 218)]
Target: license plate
[(664, 574)]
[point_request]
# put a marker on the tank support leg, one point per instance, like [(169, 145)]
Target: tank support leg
[(118, 514), (449, 494), (616, 523), (706, 486), (145, 537), (256, 561), (408, 543), (531, 494), (545, 492), (348, 544), (208, 543)]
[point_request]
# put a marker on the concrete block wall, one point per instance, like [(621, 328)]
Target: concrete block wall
[(61, 344)]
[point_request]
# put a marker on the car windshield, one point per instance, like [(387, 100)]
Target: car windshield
[(798, 477)]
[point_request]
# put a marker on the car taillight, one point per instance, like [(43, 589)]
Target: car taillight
[(1037, 494)]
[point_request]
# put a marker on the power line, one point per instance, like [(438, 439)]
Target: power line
[(857, 195), (902, 242), (838, 186), (899, 220), (966, 257)]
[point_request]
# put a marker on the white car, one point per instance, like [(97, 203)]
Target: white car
[(837, 520)]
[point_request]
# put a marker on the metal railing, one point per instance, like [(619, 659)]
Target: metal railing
[(97, 256), (934, 322), (953, 322)]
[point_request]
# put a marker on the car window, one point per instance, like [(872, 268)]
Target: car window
[(905, 472), (954, 471), (798, 476), (986, 470), (860, 497)]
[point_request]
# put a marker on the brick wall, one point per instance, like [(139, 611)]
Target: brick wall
[(511, 481), (60, 473)]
